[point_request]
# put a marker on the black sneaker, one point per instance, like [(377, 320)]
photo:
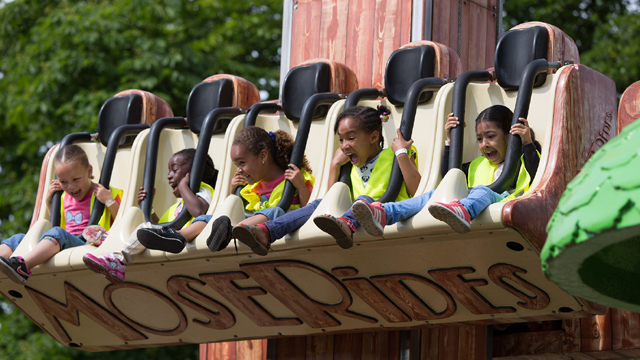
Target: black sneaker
[(165, 239), (220, 234), (15, 268)]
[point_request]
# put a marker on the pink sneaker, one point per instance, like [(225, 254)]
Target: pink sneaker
[(95, 234), (372, 217), (454, 214), (108, 265)]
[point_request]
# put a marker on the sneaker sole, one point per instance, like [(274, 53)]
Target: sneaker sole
[(156, 242), (332, 228), (246, 237), (364, 216), (100, 269), (443, 214), (12, 274), (220, 234)]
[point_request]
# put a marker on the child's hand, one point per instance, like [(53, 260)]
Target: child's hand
[(339, 158), (102, 193), (54, 186), (400, 143), (185, 180), (142, 194), (295, 176), (452, 121), (523, 130), (237, 180)]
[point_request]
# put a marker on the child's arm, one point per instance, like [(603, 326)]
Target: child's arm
[(339, 159), (238, 180), (531, 157), (54, 186), (196, 205), (407, 164), (297, 179), (104, 195), (143, 194)]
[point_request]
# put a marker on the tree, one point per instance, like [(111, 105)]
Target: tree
[(604, 31), (61, 59)]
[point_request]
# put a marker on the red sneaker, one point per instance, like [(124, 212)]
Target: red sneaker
[(372, 217), (454, 214)]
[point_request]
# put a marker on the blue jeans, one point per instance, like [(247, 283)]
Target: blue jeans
[(271, 213), (64, 238), (294, 220), (479, 198), (14, 241)]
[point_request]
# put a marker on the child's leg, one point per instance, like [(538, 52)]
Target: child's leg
[(402, 210), (262, 216), (195, 228), (10, 245), (480, 197), (51, 243), (132, 248), (290, 221)]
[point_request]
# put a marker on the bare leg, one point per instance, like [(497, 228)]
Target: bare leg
[(193, 230), (45, 249), (253, 220), (5, 251)]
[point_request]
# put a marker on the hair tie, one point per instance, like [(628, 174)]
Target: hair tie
[(384, 117), (273, 136)]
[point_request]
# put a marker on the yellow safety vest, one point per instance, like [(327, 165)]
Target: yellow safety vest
[(105, 219), (255, 204), (169, 215), (481, 172), (379, 181)]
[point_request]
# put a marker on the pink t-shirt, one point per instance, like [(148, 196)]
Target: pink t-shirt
[(264, 189), (77, 213)]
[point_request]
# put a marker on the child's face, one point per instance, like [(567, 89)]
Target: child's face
[(179, 167), (492, 141), (74, 179), (250, 166), (356, 143)]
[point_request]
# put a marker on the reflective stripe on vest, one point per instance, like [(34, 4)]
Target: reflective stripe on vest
[(379, 180), (169, 215), (105, 219), (255, 204), (481, 172)]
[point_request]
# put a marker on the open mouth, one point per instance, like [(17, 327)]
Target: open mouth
[(491, 155), (76, 194), (353, 158)]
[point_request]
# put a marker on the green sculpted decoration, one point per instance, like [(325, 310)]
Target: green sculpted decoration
[(593, 247)]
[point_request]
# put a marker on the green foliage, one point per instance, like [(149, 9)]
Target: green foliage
[(604, 30), (61, 59)]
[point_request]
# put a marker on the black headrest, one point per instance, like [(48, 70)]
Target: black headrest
[(117, 111), (300, 84), (406, 66), (515, 50), (205, 97)]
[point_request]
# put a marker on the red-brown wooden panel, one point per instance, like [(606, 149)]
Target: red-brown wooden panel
[(305, 31), (571, 337), (625, 326), (394, 345), (526, 343), (375, 345), (386, 37), (405, 22), (448, 343), (251, 350), (292, 348), (429, 340), (443, 13), (225, 350), (629, 110), (360, 30), (347, 346), (595, 333), (465, 29), (333, 30), (320, 347)]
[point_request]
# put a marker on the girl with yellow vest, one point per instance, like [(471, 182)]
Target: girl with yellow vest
[(360, 134), (113, 266), (74, 178), (493, 126), (262, 162)]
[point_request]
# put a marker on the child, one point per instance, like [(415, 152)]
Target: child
[(492, 132), (74, 178), (360, 135), (113, 266), (262, 161)]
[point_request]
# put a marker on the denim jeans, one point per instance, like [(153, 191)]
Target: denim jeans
[(294, 220), (479, 198), (14, 241), (271, 213), (63, 237)]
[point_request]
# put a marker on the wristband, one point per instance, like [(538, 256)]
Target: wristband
[(447, 143), (401, 151), (109, 203)]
